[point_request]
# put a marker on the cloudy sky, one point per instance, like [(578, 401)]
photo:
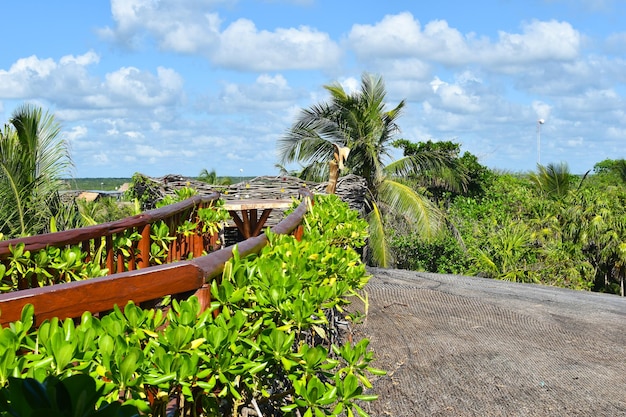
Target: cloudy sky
[(175, 86)]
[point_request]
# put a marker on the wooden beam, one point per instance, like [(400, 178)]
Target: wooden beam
[(101, 294)]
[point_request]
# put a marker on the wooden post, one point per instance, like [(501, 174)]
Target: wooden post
[(144, 247), (110, 258)]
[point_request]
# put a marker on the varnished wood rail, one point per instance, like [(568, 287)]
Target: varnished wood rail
[(70, 300), (91, 238)]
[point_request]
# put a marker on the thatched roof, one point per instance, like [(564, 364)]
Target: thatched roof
[(350, 188), (88, 196)]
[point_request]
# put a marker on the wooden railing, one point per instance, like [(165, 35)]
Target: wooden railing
[(146, 285), (116, 259)]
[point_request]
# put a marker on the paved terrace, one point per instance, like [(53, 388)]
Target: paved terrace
[(461, 346)]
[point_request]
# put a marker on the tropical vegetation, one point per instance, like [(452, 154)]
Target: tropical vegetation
[(363, 122), (269, 341), (210, 177), (548, 226), (439, 210), (33, 161)]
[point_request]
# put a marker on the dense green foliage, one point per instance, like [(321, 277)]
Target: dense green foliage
[(273, 344), (73, 396), (548, 227), (50, 266), (459, 175), (102, 210), (443, 254)]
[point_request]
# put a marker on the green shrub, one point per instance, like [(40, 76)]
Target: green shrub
[(271, 346), (443, 254), (73, 396)]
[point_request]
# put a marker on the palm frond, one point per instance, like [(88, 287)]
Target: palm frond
[(33, 160), (430, 169), (414, 208), (554, 180)]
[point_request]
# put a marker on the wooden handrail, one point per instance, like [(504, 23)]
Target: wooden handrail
[(91, 238), (96, 295), (77, 236)]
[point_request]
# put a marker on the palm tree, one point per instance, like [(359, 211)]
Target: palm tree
[(210, 177), (362, 122), (555, 180), (33, 160), (552, 180)]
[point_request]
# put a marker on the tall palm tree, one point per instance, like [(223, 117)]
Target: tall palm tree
[(33, 160), (362, 122)]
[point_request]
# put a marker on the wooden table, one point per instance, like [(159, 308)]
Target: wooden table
[(245, 212)]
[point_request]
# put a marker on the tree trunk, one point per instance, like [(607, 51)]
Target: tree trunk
[(332, 180)]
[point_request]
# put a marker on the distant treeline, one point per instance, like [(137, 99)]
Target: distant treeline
[(104, 184), (111, 184)]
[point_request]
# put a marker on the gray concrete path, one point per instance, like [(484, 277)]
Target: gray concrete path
[(464, 346)]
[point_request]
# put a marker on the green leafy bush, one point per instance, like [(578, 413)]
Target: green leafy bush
[(49, 266), (443, 254), (273, 346), (73, 396)]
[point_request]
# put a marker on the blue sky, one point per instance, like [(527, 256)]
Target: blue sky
[(175, 86)]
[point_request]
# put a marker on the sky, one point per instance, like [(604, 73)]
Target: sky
[(176, 86)]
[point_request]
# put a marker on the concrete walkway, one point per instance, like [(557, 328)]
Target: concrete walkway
[(461, 346)]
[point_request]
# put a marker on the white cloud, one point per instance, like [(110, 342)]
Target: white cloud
[(575, 142), (131, 85), (75, 133), (209, 141), (244, 47), (542, 110), (350, 84), (402, 36), (152, 152), (594, 101), (406, 69), (23, 78), (540, 41), (134, 135), (616, 42), (80, 60), (101, 159), (618, 133), (266, 93), (177, 27), (457, 97), (69, 83)]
